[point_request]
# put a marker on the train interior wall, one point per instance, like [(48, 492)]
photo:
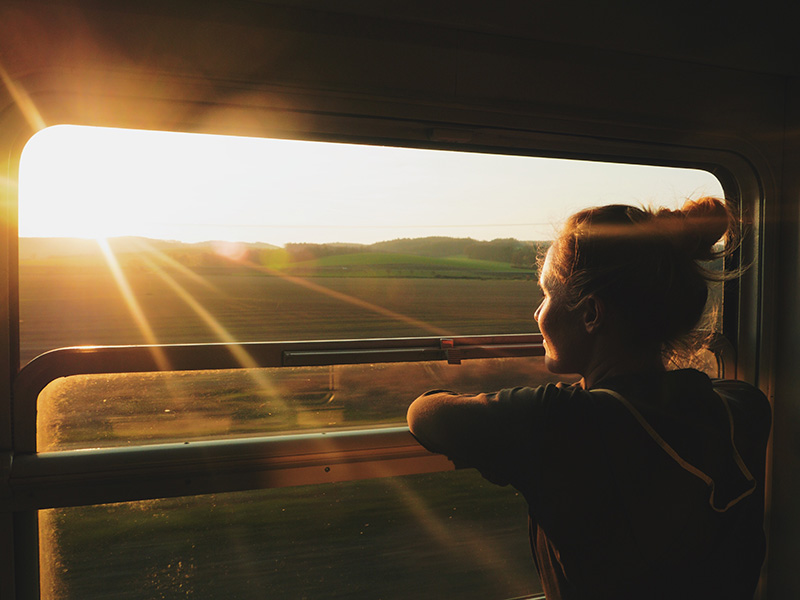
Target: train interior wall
[(677, 84)]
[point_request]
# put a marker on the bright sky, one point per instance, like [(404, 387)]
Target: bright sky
[(92, 182)]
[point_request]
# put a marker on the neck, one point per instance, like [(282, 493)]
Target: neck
[(612, 362)]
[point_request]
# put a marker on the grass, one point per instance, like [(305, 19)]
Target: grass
[(428, 536), (378, 264)]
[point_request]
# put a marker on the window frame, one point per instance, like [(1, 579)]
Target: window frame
[(34, 481)]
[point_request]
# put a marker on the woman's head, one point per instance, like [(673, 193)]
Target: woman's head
[(643, 265)]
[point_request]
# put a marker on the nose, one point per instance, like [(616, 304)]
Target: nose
[(538, 310)]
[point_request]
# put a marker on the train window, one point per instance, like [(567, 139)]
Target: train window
[(132, 237), (329, 275)]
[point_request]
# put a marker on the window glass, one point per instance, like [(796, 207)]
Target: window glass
[(424, 536), (130, 237), (144, 408)]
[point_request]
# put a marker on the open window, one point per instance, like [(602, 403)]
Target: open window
[(252, 317)]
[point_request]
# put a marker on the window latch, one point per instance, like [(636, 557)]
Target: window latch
[(451, 353)]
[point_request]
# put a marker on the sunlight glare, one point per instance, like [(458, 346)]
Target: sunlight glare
[(23, 101), (376, 308), (133, 305), (236, 349), (95, 182)]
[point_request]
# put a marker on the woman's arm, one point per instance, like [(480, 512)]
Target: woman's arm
[(490, 432), (449, 423)]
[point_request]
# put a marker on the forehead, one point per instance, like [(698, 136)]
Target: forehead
[(549, 279), (546, 279)]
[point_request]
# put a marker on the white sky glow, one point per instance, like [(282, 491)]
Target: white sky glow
[(95, 182)]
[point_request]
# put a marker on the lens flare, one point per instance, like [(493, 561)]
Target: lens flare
[(237, 349), (148, 248), (23, 101), (376, 308), (133, 305)]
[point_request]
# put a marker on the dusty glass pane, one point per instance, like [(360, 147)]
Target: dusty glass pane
[(437, 536), (142, 408)]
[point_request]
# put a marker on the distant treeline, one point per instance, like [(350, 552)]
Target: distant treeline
[(507, 250), (134, 251)]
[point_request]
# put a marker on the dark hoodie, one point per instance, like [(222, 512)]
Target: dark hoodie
[(636, 489)]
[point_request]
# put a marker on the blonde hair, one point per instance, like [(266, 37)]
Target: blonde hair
[(646, 263)]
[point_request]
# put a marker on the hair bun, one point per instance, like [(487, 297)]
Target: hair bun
[(698, 226)]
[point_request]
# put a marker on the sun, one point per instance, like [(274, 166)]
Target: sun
[(93, 182), (65, 186)]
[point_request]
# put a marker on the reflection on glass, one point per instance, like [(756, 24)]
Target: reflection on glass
[(425, 537), (140, 408)]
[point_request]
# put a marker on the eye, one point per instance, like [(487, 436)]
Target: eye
[(543, 289)]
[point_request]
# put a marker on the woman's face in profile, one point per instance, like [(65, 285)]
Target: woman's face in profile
[(559, 325)]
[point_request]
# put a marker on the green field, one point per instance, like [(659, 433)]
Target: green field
[(423, 537), (408, 265)]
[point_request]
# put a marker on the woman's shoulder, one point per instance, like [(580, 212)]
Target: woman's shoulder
[(684, 390), (691, 403), (745, 402), (739, 390)]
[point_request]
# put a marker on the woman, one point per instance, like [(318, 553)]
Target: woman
[(641, 482)]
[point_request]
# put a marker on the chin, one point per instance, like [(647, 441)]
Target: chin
[(559, 367), (552, 365)]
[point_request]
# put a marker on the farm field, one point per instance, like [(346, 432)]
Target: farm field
[(405, 265), (428, 536), (68, 308)]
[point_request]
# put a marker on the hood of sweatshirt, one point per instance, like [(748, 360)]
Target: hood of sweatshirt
[(695, 422)]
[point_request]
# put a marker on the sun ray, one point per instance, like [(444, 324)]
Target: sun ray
[(238, 351), (477, 548), (133, 305), (8, 182), (473, 547), (184, 270), (376, 308), (23, 101)]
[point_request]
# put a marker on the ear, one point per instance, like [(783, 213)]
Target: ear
[(594, 313)]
